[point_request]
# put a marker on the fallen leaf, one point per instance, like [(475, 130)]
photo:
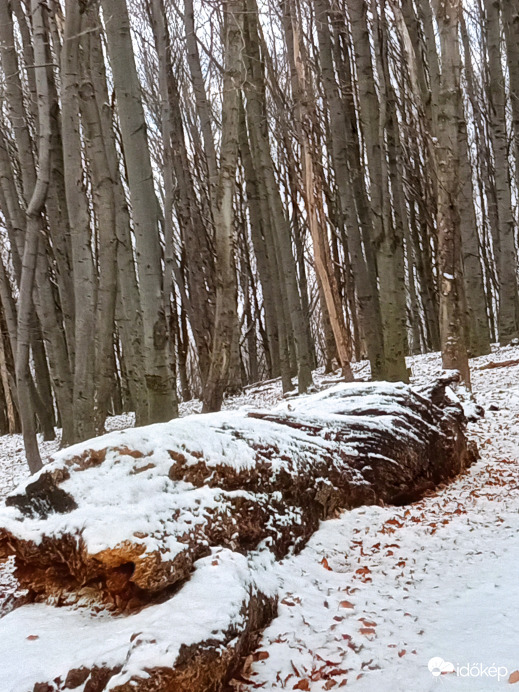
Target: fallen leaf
[(302, 685), (260, 655), (324, 563), (402, 653), (32, 637), (346, 604), (329, 685), (514, 677), (367, 630), (295, 669)]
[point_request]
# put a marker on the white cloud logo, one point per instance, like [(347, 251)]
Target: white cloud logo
[(437, 666)]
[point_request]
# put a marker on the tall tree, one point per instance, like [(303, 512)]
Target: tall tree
[(162, 399), (452, 298), (225, 241)]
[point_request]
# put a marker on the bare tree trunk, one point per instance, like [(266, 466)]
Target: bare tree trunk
[(103, 202), (452, 299), (145, 211), (347, 168), (128, 307), (5, 385), (35, 206), (226, 288), (79, 215), (259, 233), (508, 317), (281, 230), (322, 255), (196, 282)]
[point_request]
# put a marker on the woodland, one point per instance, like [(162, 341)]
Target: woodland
[(199, 195), (296, 220)]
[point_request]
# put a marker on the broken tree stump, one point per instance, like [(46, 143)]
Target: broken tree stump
[(122, 521)]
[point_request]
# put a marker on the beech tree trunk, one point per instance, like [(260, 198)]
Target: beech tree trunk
[(452, 297), (162, 399), (226, 288)]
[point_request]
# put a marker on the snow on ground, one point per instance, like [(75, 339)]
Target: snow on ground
[(381, 591)]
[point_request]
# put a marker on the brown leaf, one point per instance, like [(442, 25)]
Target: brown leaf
[(32, 637), (363, 570), (367, 630), (514, 677), (329, 685), (324, 563), (295, 669), (346, 604), (260, 655), (402, 653), (302, 685)]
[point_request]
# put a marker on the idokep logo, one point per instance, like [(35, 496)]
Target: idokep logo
[(438, 666)]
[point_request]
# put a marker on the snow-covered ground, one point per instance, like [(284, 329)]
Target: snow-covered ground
[(379, 592)]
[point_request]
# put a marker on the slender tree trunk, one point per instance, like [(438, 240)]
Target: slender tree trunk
[(226, 288), (145, 211), (103, 202), (128, 307), (452, 299), (508, 317), (281, 229), (79, 215), (30, 255), (349, 176), (322, 256)]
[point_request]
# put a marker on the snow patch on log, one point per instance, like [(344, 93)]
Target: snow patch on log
[(228, 598)]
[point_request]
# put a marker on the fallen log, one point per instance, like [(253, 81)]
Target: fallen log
[(188, 643), (122, 521), (491, 365)]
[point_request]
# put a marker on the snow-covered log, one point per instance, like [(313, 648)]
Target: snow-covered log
[(123, 520)]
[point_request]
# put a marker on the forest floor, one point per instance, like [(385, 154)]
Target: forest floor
[(381, 591)]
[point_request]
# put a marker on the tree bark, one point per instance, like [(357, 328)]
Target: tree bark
[(226, 287), (452, 298), (162, 397)]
